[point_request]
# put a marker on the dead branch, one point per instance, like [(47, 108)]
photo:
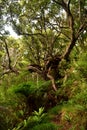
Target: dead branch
[(9, 68), (52, 80), (81, 29), (8, 71), (8, 55), (35, 68)]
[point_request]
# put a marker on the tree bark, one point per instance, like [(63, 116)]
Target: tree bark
[(53, 81)]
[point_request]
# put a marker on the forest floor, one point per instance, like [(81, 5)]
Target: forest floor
[(64, 125)]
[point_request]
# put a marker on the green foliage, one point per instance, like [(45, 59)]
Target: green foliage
[(55, 110), (46, 34), (46, 126), (74, 87), (82, 65), (23, 89), (39, 115), (37, 121), (31, 87), (82, 98), (3, 123), (67, 117), (35, 93)]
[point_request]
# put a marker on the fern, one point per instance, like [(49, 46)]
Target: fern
[(45, 126)]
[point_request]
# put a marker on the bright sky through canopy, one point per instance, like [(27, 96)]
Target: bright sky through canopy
[(11, 31)]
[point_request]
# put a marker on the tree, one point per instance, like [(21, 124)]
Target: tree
[(11, 54), (51, 29)]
